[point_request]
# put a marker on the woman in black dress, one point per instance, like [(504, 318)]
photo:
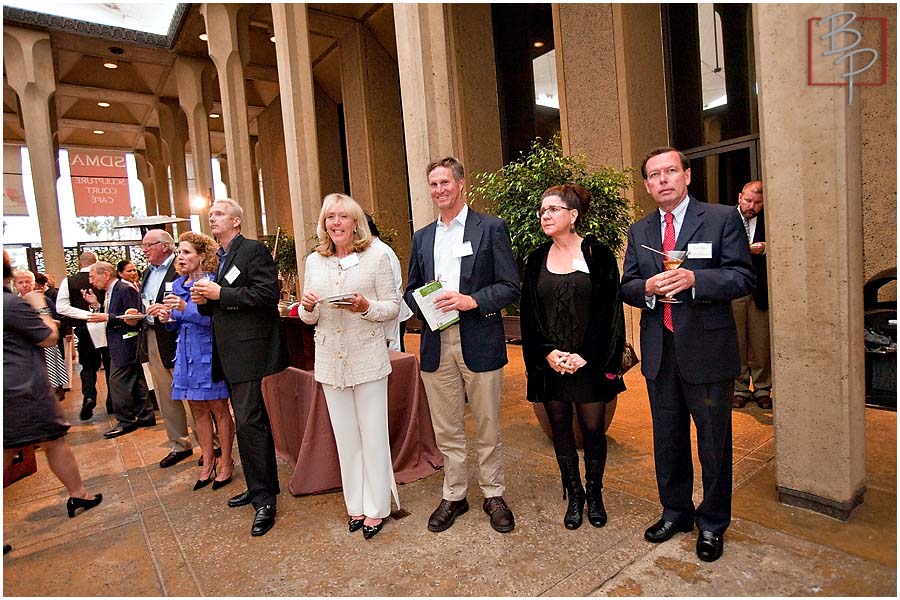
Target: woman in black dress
[(573, 333), (31, 414)]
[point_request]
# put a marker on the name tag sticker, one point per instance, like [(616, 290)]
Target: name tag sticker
[(699, 250), (232, 274), (169, 287), (580, 265), (351, 260), (464, 249)]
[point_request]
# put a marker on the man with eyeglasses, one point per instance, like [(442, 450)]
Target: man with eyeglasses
[(470, 253), (689, 350), (159, 344)]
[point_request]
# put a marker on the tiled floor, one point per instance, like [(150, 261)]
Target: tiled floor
[(154, 536)]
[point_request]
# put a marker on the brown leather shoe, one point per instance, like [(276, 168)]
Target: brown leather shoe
[(764, 402), (738, 401), (502, 519), (446, 512)]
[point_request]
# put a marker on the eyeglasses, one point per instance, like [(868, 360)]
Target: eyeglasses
[(150, 245), (553, 210)]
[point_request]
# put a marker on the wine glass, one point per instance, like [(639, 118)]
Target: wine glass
[(672, 261)]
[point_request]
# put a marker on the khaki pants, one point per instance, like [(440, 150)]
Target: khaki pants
[(447, 390), (176, 416), (753, 343)]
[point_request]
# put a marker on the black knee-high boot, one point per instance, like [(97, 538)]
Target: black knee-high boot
[(594, 486), (571, 481)]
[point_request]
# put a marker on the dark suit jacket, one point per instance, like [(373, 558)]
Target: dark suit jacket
[(247, 338), (489, 275), (761, 293), (604, 337), (122, 350), (165, 340), (705, 335)]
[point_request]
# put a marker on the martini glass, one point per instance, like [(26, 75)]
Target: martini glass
[(672, 261)]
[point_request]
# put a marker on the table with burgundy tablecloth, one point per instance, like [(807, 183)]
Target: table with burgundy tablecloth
[(304, 438)]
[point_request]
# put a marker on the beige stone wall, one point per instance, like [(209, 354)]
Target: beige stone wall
[(879, 159), (273, 163)]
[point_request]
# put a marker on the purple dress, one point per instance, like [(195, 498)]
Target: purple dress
[(192, 376)]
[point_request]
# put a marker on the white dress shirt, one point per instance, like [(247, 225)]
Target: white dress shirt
[(446, 239)]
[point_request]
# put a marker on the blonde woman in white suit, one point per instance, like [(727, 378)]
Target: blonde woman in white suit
[(352, 361)]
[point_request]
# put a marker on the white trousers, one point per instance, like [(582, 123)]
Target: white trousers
[(359, 418)]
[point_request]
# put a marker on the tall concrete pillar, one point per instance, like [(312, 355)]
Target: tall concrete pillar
[(295, 81), (429, 105), (145, 174), (812, 166), (156, 156), (28, 62), (373, 123), (196, 102), (226, 28), (174, 129)]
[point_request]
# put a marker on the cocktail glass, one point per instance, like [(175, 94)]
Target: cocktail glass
[(672, 261)]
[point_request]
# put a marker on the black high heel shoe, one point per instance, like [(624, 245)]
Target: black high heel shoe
[(370, 531), (355, 524), (86, 503), (202, 483), (222, 483)]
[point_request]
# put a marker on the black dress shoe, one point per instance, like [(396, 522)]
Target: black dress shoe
[(663, 530), (709, 546), (242, 499), (355, 524), (146, 422), (370, 531), (74, 504), (120, 429), (263, 521), (765, 402), (446, 512), (502, 519), (173, 458), (87, 410)]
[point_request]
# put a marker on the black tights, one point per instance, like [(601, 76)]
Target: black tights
[(591, 421)]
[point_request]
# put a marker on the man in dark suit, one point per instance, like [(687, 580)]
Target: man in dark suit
[(247, 346), (689, 350), (751, 312), (159, 343), (470, 254), (71, 303), (127, 388)]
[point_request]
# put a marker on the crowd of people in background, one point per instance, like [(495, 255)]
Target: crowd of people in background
[(205, 319)]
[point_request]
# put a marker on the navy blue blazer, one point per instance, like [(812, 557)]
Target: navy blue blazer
[(122, 338), (705, 337), (489, 275)]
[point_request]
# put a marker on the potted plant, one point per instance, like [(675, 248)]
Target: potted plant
[(513, 193), (285, 260)]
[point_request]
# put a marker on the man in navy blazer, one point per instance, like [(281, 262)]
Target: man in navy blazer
[(689, 352), (247, 346), (127, 388), (470, 253)]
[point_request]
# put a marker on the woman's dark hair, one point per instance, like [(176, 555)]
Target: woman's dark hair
[(573, 196), (372, 226), (41, 279), (120, 266)]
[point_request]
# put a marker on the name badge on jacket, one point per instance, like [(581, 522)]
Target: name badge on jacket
[(699, 250), (463, 249), (232, 274), (351, 260)]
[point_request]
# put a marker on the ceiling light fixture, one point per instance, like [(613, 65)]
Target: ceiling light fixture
[(214, 115), (103, 104), (203, 36), (99, 131), (539, 44), (110, 65)]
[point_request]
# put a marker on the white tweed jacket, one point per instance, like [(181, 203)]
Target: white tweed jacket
[(351, 348)]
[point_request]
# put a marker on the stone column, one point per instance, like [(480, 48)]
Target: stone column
[(156, 156), (374, 129), (28, 62), (811, 155), (196, 102), (295, 80), (174, 129), (145, 174), (257, 198), (226, 28), (428, 98)]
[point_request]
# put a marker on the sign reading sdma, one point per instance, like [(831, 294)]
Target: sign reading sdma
[(99, 183)]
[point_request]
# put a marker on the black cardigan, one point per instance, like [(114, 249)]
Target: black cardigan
[(604, 338)]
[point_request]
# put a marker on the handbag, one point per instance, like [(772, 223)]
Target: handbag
[(629, 358)]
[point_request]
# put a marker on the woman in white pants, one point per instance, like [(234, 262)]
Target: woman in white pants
[(348, 293)]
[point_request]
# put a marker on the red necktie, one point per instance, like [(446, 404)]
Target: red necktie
[(669, 244)]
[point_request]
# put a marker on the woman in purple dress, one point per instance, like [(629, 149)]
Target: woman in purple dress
[(192, 376)]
